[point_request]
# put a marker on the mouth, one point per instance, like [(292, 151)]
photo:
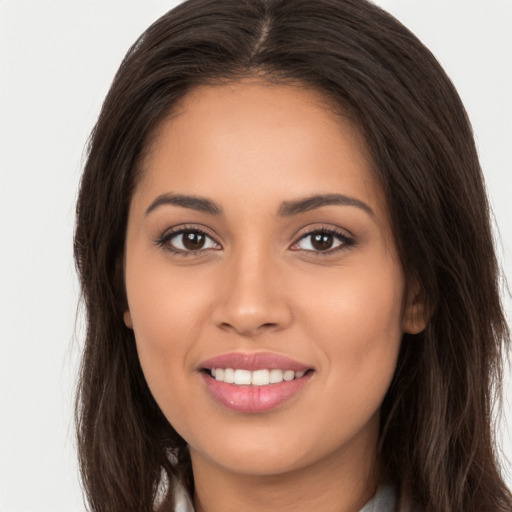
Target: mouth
[(254, 383)]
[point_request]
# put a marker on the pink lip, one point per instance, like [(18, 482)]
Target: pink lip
[(256, 361), (253, 399)]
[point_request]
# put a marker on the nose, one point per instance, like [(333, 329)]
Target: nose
[(251, 297)]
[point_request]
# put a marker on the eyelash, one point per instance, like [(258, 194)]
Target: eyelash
[(346, 241), (165, 239)]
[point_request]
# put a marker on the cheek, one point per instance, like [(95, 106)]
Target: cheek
[(356, 321), (356, 326), (167, 311), (162, 300)]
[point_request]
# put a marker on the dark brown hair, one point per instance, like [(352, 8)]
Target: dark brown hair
[(436, 440)]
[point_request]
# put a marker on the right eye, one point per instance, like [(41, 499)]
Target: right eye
[(188, 241)]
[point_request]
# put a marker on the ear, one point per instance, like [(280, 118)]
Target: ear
[(416, 316), (120, 291), (127, 317)]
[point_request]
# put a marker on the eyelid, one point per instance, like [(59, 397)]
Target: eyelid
[(165, 238), (342, 234)]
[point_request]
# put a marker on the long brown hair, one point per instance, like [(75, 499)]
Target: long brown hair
[(436, 439)]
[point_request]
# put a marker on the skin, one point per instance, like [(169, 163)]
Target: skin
[(258, 285)]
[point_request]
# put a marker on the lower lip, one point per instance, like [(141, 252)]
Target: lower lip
[(254, 399)]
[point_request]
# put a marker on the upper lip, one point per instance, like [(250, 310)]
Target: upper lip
[(254, 361)]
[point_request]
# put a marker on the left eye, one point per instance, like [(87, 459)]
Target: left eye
[(191, 240), (321, 241)]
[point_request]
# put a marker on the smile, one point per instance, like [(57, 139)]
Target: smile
[(254, 383)]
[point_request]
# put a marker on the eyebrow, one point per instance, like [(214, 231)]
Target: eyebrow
[(193, 202), (289, 208)]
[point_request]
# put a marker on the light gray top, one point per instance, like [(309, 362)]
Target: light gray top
[(383, 501)]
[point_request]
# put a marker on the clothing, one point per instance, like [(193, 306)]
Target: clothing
[(182, 500), (383, 501)]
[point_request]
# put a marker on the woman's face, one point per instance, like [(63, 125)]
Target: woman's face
[(259, 249)]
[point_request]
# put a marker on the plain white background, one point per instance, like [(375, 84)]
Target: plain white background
[(57, 61)]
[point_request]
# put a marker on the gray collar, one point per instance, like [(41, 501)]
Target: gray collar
[(383, 501)]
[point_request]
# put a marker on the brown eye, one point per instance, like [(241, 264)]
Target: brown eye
[(189, 241), (322, 241), (193, 240)]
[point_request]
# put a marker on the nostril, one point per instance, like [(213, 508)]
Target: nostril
[(251, 317), (249, 329)]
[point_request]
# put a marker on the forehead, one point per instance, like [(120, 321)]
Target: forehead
[(255, 138)]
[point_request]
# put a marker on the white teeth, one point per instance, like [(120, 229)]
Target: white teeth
[(288, 375), (229, 375), (260, 378), (276, 376), (242, 377), (256, 378)]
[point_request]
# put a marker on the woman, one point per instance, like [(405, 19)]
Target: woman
[(284, 247)]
